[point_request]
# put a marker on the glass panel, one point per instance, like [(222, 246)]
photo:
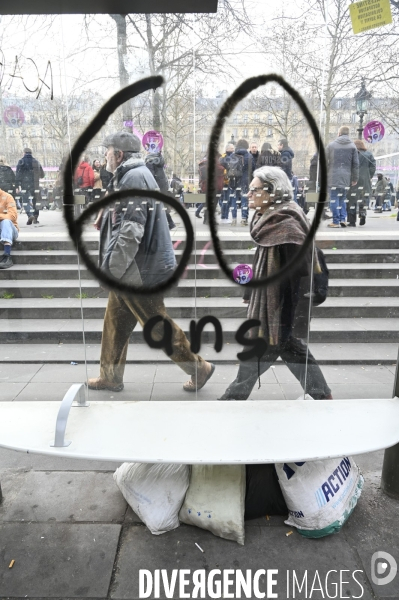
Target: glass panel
[(42, 282), (44, 293), (326, 330)]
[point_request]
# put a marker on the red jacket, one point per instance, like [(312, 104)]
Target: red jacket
[(85, 171), (203, 176)]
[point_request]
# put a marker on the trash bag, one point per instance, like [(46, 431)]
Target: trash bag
[(155, 492), (320, 494), (263, 496), (215, 500)]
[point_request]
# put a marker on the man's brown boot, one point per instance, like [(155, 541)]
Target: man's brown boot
[(100, 384), (199, 380)]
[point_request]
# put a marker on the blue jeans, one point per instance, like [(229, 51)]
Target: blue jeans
[(386, 205), (28, 201), (199, 206), (338, 204), (8, 231), (242, 200), (225, 202)]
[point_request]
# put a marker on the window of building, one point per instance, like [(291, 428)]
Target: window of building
[(256, 118), (245, 133), (245, 118), (270, 119), (339, 103), (269, 132)]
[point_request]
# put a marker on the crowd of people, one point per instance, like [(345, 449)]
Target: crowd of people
[(136, 247), (351, 168)]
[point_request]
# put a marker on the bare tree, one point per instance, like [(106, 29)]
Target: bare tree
[(323, 52)]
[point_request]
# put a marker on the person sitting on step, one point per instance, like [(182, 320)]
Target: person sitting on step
[(8, 227)]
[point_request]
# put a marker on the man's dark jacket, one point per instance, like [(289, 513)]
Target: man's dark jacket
[(28, 173), (135, 244), (342, 162), (287, 154)]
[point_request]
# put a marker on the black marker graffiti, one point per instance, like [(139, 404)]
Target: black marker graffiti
[(75, 226), (227, 108), (17, 74)]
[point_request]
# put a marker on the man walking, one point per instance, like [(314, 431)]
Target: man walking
[(287, 154), (135, 248), (381, 191), (253, 149), (27, 176), (229, 193), (343, 171)]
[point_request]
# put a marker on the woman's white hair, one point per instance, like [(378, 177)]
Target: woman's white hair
[(276, 182)]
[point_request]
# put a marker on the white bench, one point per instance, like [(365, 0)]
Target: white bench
[(195, 431)]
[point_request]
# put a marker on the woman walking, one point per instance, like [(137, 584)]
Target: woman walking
[(279, 228)]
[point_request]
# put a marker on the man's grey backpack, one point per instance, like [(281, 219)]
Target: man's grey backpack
[(236, 165)]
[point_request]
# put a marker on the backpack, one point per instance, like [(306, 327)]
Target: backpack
[(236, 165), (79, 180)]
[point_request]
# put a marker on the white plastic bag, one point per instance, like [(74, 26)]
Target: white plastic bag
[(320, 494), (216, 500), (155, 492)]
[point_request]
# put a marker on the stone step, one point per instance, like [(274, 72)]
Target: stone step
[(50, 272), (190, 308), (241, 240), (326, 354), (56, 257), (370, 255), (322, 330), (187, 288)]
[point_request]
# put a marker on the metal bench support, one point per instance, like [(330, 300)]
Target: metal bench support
[(75, 392)]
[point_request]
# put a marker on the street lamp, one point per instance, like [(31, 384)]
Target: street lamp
[(362, 98), (232, 139)]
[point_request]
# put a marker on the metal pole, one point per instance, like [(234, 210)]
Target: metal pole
[(360, 128), (390, 467)]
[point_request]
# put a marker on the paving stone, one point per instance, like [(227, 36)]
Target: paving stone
[(75, 373), (10, 391), (64, 496), (223, 374), (17, 373), (343, 374), (44, 391), (174, 391), (265, 548), (56, 392), (57, 559), (371, 461)]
